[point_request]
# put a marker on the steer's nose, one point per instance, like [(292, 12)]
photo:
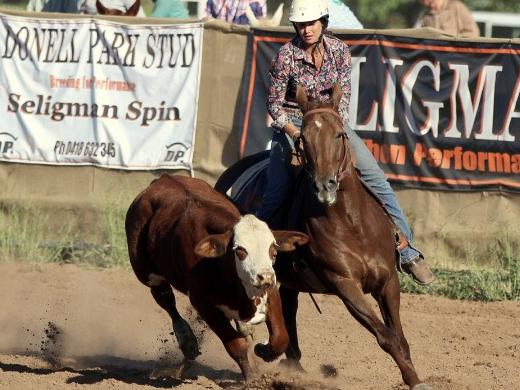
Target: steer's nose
[(265, 279)]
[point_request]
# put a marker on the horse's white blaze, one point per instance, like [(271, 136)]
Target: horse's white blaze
[(155, 280), (318, 124), (258, 317), (256, 238)]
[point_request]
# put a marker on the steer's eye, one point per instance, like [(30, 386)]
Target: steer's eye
[(241, 253), (273, 252)]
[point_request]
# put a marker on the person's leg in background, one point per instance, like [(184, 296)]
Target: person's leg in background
[(412, 261)]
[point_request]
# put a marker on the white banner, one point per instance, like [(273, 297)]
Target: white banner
[(92, 92)]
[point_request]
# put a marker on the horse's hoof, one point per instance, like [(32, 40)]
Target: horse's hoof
[(186, 339), (422, 386), (265, 352), (291, 365)]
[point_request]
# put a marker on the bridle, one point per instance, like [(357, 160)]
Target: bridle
[(342, 169)]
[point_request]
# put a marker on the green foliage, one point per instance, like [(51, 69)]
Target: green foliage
[(30, 234), (476, 283), (404, 13)]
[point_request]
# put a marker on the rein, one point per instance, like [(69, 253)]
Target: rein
[(342, 169)]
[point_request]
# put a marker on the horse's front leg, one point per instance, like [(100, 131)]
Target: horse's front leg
[(278, 337), (388, 339), (289, 298)]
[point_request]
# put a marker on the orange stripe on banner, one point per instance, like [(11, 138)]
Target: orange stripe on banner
[(466, 182), (415, 46)]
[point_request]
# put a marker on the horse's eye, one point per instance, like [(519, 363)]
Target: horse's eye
[(241, 253), (339, 135)]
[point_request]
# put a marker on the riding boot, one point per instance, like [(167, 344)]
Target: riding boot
[(416, 266)]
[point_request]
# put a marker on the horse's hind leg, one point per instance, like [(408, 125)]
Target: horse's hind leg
[(387, 337), (163, 295), (289, 298)]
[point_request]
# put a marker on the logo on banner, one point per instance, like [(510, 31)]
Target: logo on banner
[(177, 153), (7, 141)]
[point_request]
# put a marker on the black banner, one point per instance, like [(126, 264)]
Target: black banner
[(435, 114)]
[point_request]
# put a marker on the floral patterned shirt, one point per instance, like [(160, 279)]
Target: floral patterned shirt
[(292, 66)]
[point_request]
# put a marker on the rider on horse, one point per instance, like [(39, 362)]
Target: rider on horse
[(316, 60)]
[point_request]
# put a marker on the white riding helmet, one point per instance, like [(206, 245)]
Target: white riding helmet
[(307, 10)]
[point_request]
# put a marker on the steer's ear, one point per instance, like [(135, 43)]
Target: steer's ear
[(213, 246), (288, 240)]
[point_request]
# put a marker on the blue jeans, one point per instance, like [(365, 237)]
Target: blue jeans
[(279, 180)]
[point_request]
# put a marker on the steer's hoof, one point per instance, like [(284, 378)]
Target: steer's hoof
[(265, 352), (422, 386), (186, 339)]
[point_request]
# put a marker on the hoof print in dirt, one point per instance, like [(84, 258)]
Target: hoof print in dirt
[(422, 386), (281, 382)]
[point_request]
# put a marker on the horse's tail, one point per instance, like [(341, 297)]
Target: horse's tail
[(231, 175)]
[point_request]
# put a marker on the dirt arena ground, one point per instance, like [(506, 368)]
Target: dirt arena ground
[(64, 326)]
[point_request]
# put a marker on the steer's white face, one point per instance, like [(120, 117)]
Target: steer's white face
[(254, 246)]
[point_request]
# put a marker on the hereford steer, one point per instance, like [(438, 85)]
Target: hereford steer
[(184, 234)]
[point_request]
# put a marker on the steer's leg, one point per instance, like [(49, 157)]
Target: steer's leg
[(278, 337), (388, 339), (289, 299), (236, 345), (163, 295)]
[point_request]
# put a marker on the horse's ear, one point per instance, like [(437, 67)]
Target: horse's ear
[(337, 94), (301, 97), (134, 9), (101, 9)]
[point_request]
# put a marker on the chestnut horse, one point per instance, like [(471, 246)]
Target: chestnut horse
[(132, 11), (351, 251)]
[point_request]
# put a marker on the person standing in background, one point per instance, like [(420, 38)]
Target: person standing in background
[(169, 9), (234, 11), (89, 6), (340, 16), (450, 16), (65, 6)]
